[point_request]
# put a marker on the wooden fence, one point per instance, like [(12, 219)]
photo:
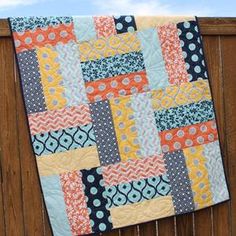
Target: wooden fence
[(22, 211)]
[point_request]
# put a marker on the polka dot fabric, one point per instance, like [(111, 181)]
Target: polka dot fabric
[(121, 119), (191, 44), (31, 83), (100, 218), (124, 24), (180, 182)]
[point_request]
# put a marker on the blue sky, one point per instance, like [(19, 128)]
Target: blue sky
[(108, 7)]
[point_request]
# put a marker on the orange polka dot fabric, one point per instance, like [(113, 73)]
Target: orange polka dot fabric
[(121, 119)]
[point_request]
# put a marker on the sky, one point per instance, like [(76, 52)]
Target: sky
[(226, 8)]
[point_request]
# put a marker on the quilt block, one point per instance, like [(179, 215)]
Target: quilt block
[(121, 119)]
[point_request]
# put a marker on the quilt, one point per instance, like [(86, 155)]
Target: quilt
[(121, 118)]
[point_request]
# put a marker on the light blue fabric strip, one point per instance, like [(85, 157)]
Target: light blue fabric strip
[(216, 172), (84, 28), (69, 60), (55, 203), (148, 137), (153, 59)]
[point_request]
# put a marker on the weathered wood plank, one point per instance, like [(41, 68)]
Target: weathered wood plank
[(184, 224), (148, 228), (212, 46), (229, 75), (10, 163), (166, 226)]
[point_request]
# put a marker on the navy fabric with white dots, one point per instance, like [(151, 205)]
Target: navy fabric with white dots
[(94, 190), (125, 24), (191, 44)]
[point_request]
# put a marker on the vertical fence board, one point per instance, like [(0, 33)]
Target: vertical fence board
[(229, 72), (184, 224), (148, 229), (2, 217), (214, 62), (130, 231), (10, 163), (166, 227)]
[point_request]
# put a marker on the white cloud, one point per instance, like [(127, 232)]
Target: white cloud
[(145, 7), (13, 3)]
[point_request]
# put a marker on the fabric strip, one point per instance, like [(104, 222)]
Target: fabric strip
[(107, 47), (59, 119), (133, 170), (54, 200), (68, 58), (125, 127), (153, 59), (192, 50), (76, 206), (180, 183), (172, 54), (183, 94), (78, 159), (31, 82), (51, 77), (145, 22), (63, 140), (216, 172), (184, 115), (148, 136), (188, 136), (198, 175), (137, 191), (44, 37), (84, 28), (21, 24), (94, 190), (142, 211), (112, 66), (104, 25), (120, 85), (104, 132)]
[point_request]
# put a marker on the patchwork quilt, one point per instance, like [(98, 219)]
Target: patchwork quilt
[(121, 119)]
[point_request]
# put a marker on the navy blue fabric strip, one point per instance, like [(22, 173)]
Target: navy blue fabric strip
[(184, 115)]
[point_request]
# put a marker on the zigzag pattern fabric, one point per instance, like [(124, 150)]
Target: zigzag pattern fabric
[(121, 119)]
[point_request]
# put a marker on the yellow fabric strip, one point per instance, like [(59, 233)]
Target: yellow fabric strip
[(61, 162), (142, 211), (126, 132), (51, 78), (110, 46), (198, 174), (186, 93), (144, 22)]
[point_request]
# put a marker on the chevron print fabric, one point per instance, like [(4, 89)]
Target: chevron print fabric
[(121, 119)]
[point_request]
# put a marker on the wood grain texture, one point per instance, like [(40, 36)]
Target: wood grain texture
[(229, 75), (10, 159), (22, 210)]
